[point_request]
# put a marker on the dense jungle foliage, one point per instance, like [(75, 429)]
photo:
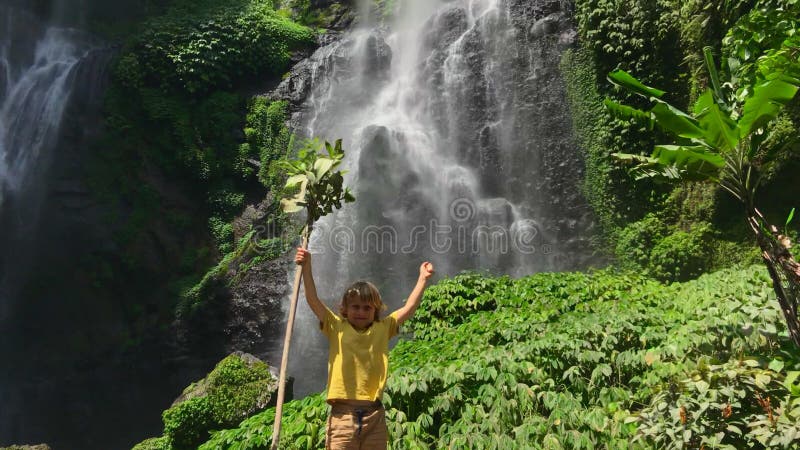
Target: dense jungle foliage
[(675, 233)]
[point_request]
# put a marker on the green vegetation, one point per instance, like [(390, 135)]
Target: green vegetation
[(572, 360), (722, 141), (304, 12), (662, 43), (239, 386), (266, 140), (159, 443), (198, 46), (182, 135), (321, 187)]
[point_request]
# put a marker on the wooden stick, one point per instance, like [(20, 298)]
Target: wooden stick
[(276, 430)]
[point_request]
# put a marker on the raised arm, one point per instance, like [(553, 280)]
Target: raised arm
[(303, 258), (405, 312)]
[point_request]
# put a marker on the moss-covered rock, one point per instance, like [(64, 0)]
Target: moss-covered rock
[(159, 443), (27, 447), (239, 386)]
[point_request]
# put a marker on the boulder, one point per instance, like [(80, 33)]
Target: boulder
[(239, 386)]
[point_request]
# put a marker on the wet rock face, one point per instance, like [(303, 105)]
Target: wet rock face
[(334, 62), (444, 29), (256, 307), (243, 311), (326, 3), (377, 57)]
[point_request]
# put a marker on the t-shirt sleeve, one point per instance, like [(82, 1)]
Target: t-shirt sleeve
[(330, 323), (393, 327)]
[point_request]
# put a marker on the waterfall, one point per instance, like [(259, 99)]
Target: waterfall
[(50, 74), (458, 146), (38, 66)]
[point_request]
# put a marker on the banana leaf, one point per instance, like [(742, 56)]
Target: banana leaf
[(626, 112), (765, 104), (720, 130), (675, 162), (676, 121), (623, 79)]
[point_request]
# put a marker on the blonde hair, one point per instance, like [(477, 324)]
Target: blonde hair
[(366, 291)]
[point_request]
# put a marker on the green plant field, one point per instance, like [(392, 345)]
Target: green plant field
[(579, 361)]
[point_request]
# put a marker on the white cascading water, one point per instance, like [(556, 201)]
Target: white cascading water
[(458, 147), (38, 63)]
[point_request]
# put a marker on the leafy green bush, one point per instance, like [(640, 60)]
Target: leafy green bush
[(187, 424), (469, 293), (636, 241), (728, 406), (302, 428), (770, 25), (682, 255), (223, 234), (663, 252)]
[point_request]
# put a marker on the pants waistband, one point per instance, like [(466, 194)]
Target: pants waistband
[(356, 407)]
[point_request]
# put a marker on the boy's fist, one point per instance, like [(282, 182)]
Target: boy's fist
[(425, 270), (302, 256)]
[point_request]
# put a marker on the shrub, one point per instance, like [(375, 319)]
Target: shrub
[(635, 242), (682, 255), (186, 425), (223, 234)]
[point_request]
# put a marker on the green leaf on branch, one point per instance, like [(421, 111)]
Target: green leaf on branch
[(322, 166), (295, 180), (322, 187)]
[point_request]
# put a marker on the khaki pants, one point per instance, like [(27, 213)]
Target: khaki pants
[(356, 428)]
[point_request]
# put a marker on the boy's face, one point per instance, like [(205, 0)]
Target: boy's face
[(360, 313)]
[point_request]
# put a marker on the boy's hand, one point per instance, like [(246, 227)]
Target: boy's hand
[(425, 270), (302, 256)]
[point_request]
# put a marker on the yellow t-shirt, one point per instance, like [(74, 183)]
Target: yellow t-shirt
[(358, 362)]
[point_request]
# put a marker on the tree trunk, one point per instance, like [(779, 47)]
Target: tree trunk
[(780, 265)]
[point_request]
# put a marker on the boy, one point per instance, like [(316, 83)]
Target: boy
[(358, 361)]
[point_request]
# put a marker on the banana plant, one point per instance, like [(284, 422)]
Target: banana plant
[(720, 142), (321, 189)]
